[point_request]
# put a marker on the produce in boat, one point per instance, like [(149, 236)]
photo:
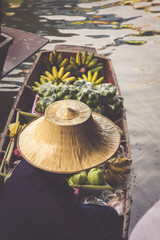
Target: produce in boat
[(21, 111), (95, 176), (82, 66), (103, 99)]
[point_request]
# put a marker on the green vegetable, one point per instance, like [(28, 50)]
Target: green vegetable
[(79, 178), (95, 176)]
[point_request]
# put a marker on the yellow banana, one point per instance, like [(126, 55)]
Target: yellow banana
[(70, 79), (85, 77), (94, 78), (55, 53), (44, 77), (99, 80), (66, 75), (89, 76), (37, 84), (79, 59), (61, 72), (34, 88), (13, 128), (55, 72), (42, 81), (52, 58), (48, 74)]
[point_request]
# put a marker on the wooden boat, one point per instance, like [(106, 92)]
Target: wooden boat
[(24, 102), (12, 41)]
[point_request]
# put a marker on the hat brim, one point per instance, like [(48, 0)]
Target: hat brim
[(73, 157)]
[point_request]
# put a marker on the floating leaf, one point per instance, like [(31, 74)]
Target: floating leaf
[(78, 23), (147, 33), (124, 26), (134, 42), (95, 22)]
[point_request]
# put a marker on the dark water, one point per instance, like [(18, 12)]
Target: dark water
[(128, 32)]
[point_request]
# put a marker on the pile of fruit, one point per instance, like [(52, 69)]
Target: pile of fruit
[(102, 99), (95, 176), (113, 173), (60, 69)]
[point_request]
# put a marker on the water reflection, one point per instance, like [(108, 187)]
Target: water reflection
[(126, 31)]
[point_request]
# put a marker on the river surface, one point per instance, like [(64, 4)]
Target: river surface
[(128, 32)]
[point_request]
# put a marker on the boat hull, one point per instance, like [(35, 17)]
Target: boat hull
[(25, 98)]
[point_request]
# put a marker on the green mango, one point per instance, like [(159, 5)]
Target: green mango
[(95, 176)]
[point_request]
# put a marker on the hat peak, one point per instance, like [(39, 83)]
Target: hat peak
[(67, 113)]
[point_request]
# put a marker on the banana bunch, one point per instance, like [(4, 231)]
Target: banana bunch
[(56, 77), (93, 78), (116, 171), (55, 59), (83, 62), (61, 75)]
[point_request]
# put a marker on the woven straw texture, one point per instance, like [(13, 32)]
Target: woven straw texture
[(68, 138)]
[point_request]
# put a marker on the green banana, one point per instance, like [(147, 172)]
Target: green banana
[(47, 62), (96, 69), (114, 180), (59, 59), (68, 68), (84, 55), (64, 62), (89, 58), (120, 170), (73, 63), (122, 162), (92, 63)]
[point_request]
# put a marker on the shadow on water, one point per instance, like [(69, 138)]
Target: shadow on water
[(128, 32)]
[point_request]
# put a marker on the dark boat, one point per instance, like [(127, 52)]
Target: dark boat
[(12, 41), (23, 105)]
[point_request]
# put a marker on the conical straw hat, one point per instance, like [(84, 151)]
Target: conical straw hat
[(68, 138)]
